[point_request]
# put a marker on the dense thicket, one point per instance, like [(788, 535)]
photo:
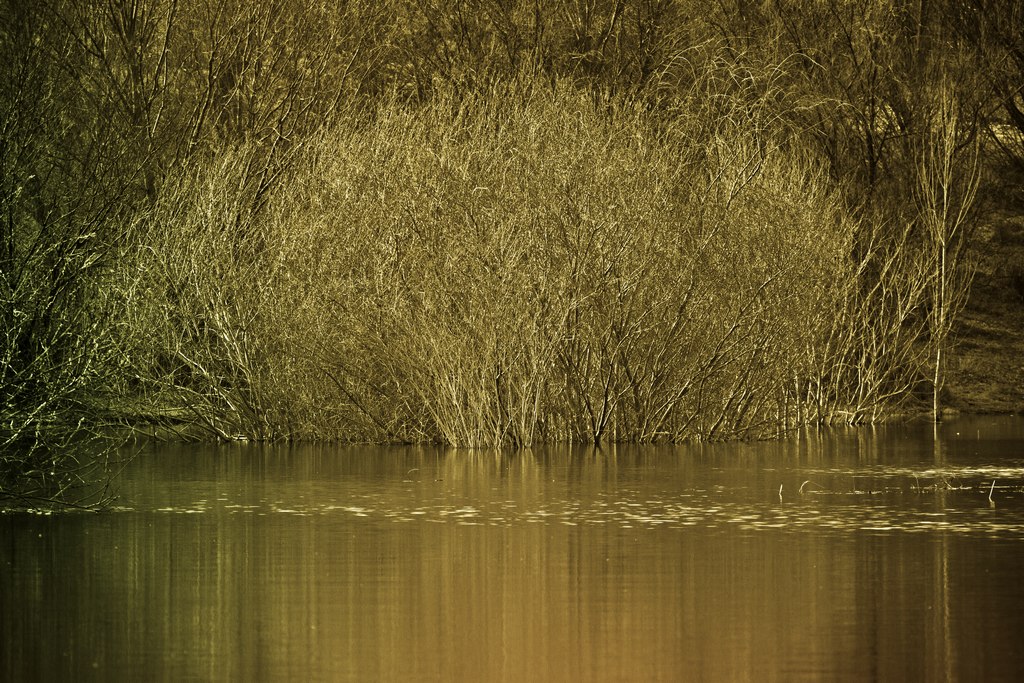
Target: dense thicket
[(484, 222)]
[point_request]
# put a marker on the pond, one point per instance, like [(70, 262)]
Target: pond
[(887, 553)]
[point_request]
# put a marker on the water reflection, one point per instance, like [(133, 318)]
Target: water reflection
[(316, 563), (793, 485)]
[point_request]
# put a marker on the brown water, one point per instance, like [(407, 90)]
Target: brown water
[(700, 563)]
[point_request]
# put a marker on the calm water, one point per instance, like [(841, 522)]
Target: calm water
[(700, 563)]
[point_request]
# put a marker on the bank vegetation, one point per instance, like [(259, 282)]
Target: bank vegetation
[(483, 222)]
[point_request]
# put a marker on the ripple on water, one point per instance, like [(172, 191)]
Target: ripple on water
[(893, 508)]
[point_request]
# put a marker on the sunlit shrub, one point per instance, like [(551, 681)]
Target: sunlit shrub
[(531, 262)]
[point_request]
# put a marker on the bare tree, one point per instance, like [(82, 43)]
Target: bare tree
[(948, 175)]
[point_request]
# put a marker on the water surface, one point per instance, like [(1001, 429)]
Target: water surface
[(873, 554)]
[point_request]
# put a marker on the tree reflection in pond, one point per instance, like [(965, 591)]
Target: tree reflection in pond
[(619, 564)]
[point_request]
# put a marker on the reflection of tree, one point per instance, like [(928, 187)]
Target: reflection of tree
[(941, 630)]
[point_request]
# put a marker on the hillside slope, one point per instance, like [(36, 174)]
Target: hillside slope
[(987, 365)]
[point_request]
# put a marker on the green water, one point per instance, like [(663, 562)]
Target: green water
[(873, 554)]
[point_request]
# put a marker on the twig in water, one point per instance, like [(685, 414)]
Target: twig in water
[(780, 493), (990, 489), (811, 483)]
